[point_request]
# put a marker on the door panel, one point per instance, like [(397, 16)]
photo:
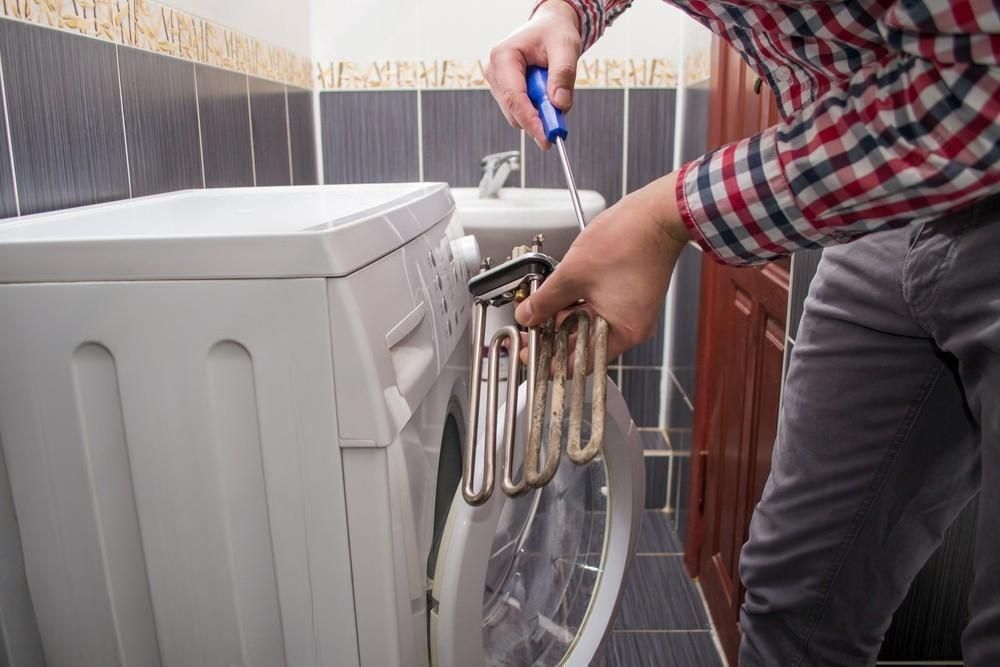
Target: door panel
[(739, 364)]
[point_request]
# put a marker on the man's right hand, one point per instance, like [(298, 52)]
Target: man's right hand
[(550, 39)]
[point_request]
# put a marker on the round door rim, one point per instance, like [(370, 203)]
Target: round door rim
[(460, 576)]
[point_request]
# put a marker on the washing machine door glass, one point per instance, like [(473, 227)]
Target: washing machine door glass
[(536, 580)]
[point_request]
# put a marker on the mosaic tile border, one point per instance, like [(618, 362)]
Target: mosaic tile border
[(465, 74), (153, 26)]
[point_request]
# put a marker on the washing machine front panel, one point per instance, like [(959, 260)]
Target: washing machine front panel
[(538, 579), (392, 494)]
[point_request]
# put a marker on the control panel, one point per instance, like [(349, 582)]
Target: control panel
[(450, 259)]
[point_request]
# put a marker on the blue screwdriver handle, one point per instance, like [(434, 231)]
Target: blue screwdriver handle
[(552, 118)]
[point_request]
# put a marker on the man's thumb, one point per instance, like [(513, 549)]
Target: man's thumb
[(554, 295)]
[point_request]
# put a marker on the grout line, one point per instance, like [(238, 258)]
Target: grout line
[(253, 150), (663, 632), (317, 121), (670, 485), (288, 136), (420, 135), (197, 109), (683, 393), (524, 177), (10, 140), (673, 554), (121, 103), (625, 143)]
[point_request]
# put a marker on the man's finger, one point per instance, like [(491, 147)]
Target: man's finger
[(562, 57), (555, 294), (512, 94)]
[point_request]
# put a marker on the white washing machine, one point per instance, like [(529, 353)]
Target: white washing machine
[(232, 428)]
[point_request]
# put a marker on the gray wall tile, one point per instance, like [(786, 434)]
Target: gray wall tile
[(225, 127), (65, 115), (679, 412), (641, 389), (651, 116), (680, 440), (657, 477), (680, 488), (804, 266), (653, 440), (161, 122), (459, 128), (648, 353), (302, 132), (694, 139), (8, 204), (594, 146), (270, 132), (369, 137), (683, 319)]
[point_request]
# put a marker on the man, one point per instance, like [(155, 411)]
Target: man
[(891, 416)]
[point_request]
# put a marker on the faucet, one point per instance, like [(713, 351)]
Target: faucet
[(496, 168)]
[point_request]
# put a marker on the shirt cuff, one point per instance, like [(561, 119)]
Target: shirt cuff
[(737, 205)]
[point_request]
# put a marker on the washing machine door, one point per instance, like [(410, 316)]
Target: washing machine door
[(537, 580)]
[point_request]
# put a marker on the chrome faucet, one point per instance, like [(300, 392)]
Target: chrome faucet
[(496, 168)]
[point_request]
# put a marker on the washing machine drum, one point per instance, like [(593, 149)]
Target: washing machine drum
[(537, 580)]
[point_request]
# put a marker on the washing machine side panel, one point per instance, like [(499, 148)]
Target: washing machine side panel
[(172, 453)]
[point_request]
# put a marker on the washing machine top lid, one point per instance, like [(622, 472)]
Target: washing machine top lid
[(265, 232)]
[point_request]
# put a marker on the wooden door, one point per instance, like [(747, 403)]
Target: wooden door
[(739, 365)]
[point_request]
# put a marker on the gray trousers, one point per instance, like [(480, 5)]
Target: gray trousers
[(890, 424)]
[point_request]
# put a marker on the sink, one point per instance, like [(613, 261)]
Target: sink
[(517, 214)]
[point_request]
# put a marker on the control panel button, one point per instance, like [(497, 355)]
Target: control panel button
[(466, 251)]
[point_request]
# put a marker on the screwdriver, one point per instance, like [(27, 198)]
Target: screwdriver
[(555, 130)]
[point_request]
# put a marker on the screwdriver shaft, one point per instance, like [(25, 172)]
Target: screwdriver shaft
[(570, 182)]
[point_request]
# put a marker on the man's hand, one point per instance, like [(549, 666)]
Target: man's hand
[(621, 265), (550, 39)]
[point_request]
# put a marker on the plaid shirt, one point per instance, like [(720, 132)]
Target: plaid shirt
[(891, 115)]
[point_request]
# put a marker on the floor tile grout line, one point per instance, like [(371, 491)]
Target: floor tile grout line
[(670, 631)]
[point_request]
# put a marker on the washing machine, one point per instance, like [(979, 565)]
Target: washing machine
[(232, 428)]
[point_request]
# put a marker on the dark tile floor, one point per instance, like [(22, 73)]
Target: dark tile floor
[(662, 620)]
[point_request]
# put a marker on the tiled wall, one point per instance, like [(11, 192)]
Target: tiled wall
[(620, 139), (682, 329), (93, 121), (929, 623)]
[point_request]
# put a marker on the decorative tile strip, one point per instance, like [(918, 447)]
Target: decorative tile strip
[(437, 74), (153, 26)]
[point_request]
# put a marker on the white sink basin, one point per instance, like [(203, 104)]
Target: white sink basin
[(517, 214)]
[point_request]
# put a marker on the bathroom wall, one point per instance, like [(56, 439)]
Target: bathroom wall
[(101, 106)]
